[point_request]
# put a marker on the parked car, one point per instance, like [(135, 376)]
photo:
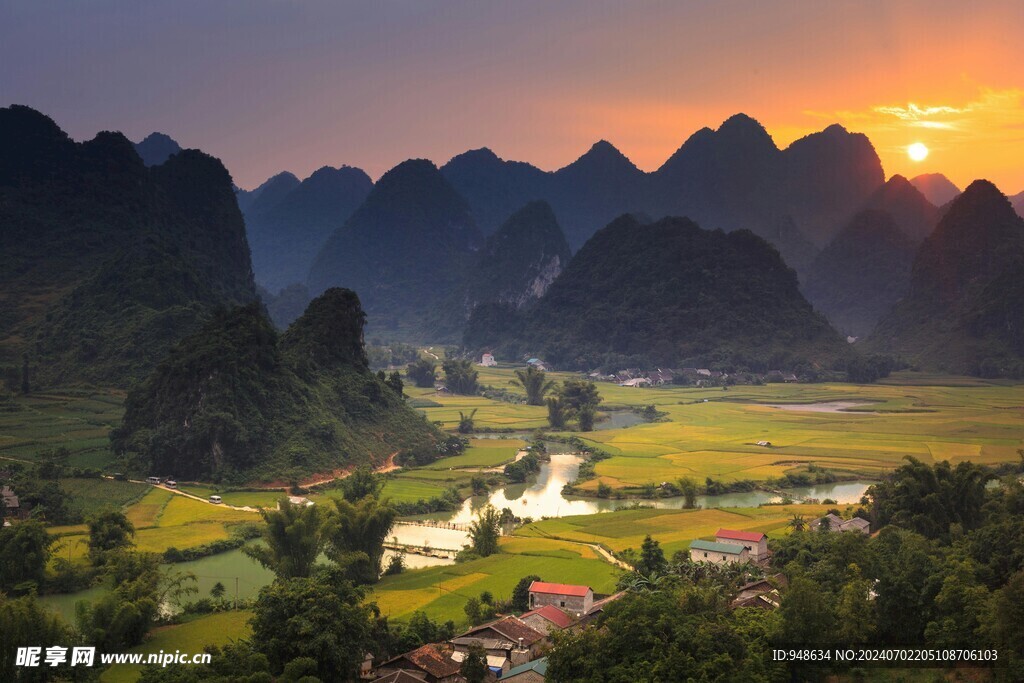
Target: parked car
[(216, 500), (171, 484), (153, 480)]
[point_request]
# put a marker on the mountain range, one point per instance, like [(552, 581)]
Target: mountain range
[(963, 310), (937, 188), (105, 262)]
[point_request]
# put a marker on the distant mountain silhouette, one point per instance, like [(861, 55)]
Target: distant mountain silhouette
[(156, 148), (1018, 203), (937, 188), (106, 263), (963, 311), (863, 271), (915, 215), (289, 223), (285, 306), (269, 193), (237, 402), (405, 250), (731, 178), (667, 293)]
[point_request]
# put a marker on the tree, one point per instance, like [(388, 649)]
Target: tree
[(322, 617), (689, 489), (422, 373), (218, 590), (797, 522), (460, 377), (394, 381), (293, 538), (474, 666), (652, 557), (807, 618), (25, 550), (586, 416), (360, 483), (855, 611), (355, 534), (556, 413), (521, 593), (109, 531), (466, 421), (578, 394), (485, 531), (535, 383), (472, 609), (25, 622)]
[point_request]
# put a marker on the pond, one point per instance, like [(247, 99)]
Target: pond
[(543, 497), (236, 570)]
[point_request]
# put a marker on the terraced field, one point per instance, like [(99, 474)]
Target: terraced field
[(674, 529), (77, 420), (442, 592)]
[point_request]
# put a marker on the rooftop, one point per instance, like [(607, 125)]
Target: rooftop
[(552, 614), (429, 659), (538, 665), (752, 536), (559, 589), (509, 627), (727, 548)]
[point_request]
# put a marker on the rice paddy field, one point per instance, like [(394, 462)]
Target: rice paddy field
[(77, 420), (711, 432), (441, 592), (674, 529), (162, 520), (190, 637)]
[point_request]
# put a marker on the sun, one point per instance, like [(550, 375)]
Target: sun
[(917, 151)]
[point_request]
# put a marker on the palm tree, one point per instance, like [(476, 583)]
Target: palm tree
[(556, 413), (798, 523), (293, 539), (535, 385)]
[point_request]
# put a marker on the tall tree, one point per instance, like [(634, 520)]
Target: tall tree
[(474, 666), (360, 483), (688, 487), (422, 373), (293, 538), (521, 593), (355, 534), (109, 531), (556, 413), (25, 550), (460, 377), (535, 383), (652, 557), (485, 531)]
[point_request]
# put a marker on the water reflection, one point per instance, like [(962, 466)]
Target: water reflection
[(543, 497)]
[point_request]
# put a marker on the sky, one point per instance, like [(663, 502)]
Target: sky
[(272, 85)]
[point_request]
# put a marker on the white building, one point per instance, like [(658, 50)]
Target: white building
[(487, 360), (756, 543), (718, 553)]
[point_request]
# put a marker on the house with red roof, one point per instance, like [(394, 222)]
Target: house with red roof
[(576, 600), (432, 663), (546, 619), (755, 542)]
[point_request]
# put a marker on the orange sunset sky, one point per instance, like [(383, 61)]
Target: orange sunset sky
[(271, 85)]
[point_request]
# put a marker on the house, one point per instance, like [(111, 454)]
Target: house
[(487, 360), (502, 653), (789, 378), (755, 542), (597, 609), (529, 642), (573, 599), (531, 672), (12, 504), (399, 676), (718, 553), (760, 594), (431, 663), (537, 363), (546, 619), (703, 372), (661, 377), (636, 382), (837, 523)]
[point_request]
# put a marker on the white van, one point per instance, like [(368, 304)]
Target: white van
[(215, 499), (171, 484), (152, 480)]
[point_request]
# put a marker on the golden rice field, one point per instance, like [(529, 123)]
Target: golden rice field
[(711, 432), (674, 529), (442, 591), (162, 520)]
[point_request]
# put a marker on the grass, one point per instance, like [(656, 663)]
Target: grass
[(442, 592), (482, 453), (79, 420), (190, 637), (674, 529)]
